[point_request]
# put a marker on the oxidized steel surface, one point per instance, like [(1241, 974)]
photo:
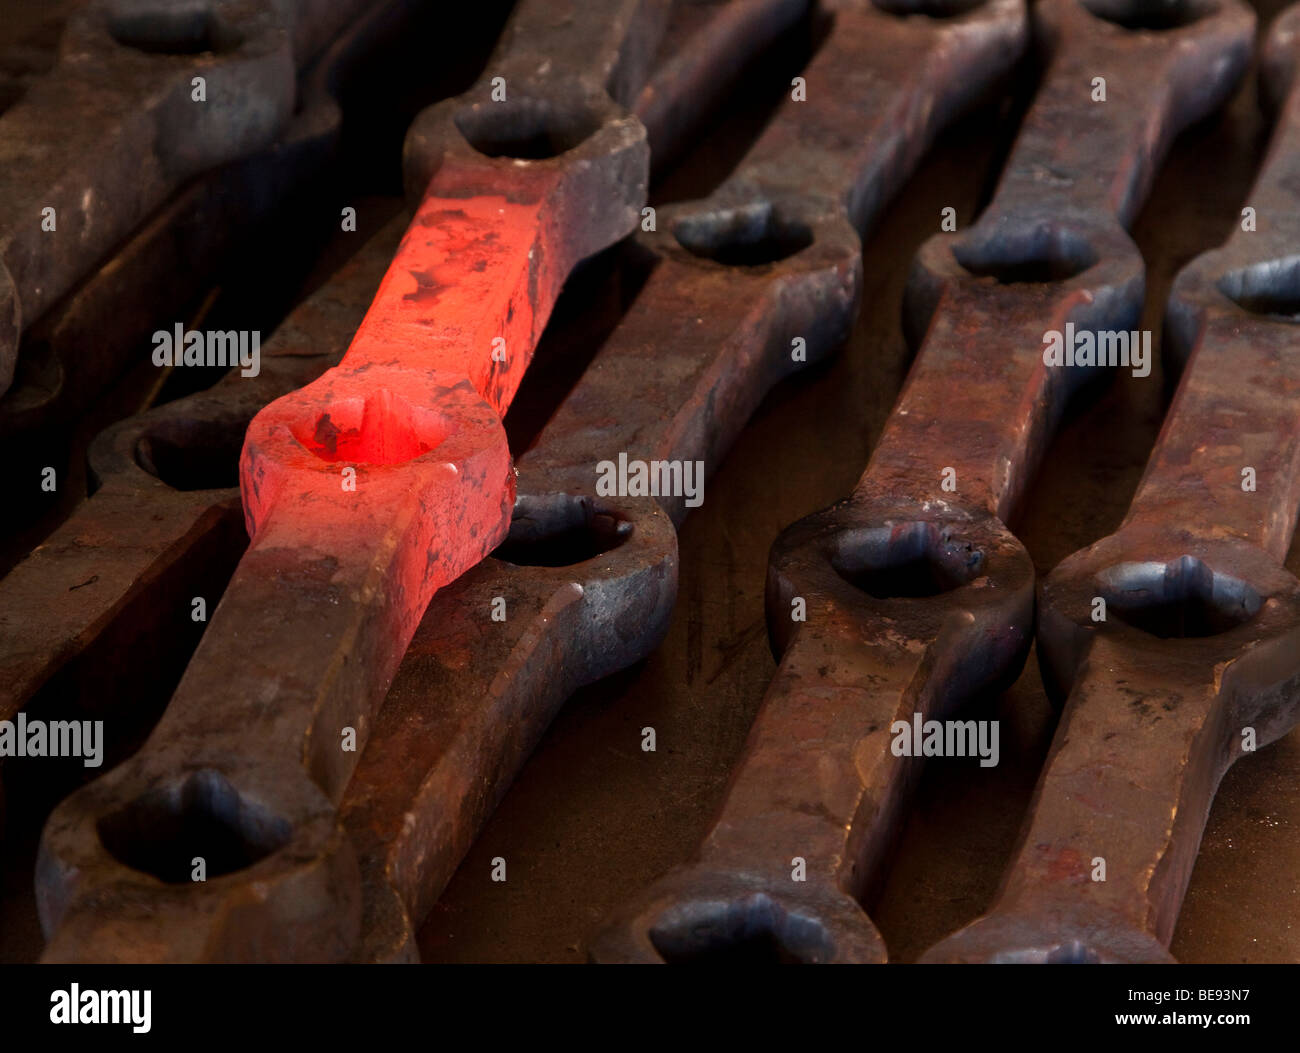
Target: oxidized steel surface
[(1197, 660), (115, 128), (703, 342), (917, 596)]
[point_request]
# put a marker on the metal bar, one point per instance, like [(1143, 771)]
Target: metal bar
[(1195, 661), (588, 578), (916, 596)]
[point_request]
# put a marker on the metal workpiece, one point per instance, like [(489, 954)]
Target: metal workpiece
[(559, 81), (144, 96), (911, 597), (1174, 640), (770, 259), (74, 590), (252, 758)]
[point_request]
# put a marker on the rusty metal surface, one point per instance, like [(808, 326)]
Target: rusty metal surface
[(1193, 662), (95, 596), (588, 580), (130, 132), (918, 597)]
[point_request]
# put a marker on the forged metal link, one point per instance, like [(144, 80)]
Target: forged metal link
[(917, 596), (144, 96), (114, 896), (1197, 660), (701, 345)]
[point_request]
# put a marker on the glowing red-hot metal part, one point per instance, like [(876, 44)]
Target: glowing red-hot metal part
[(247, 762)]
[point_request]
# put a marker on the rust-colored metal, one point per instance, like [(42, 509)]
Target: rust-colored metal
[(917, 596), (197, 794), (588, 578), (118, 125), (1197, 660)]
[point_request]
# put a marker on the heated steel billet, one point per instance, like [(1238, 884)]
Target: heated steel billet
[(1178, 636), (110, 588), (586, 582), (916, 595), (364, 492), (144, 96)]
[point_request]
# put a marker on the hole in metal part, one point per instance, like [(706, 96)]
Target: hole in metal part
[(1180, 599), (742, 237), (381, 429), (561, 535), (1151, 14), (1271, 288), (915, 559), (206, 458), (752, 932), (527, 129), (1043, 254), (180, 29), (163, 832)]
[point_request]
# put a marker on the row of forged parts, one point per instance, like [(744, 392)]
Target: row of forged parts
[(472, 695), (151, 563), (364, 492), (374, 493), (144, 95), (918, 597), (1198, 659)]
